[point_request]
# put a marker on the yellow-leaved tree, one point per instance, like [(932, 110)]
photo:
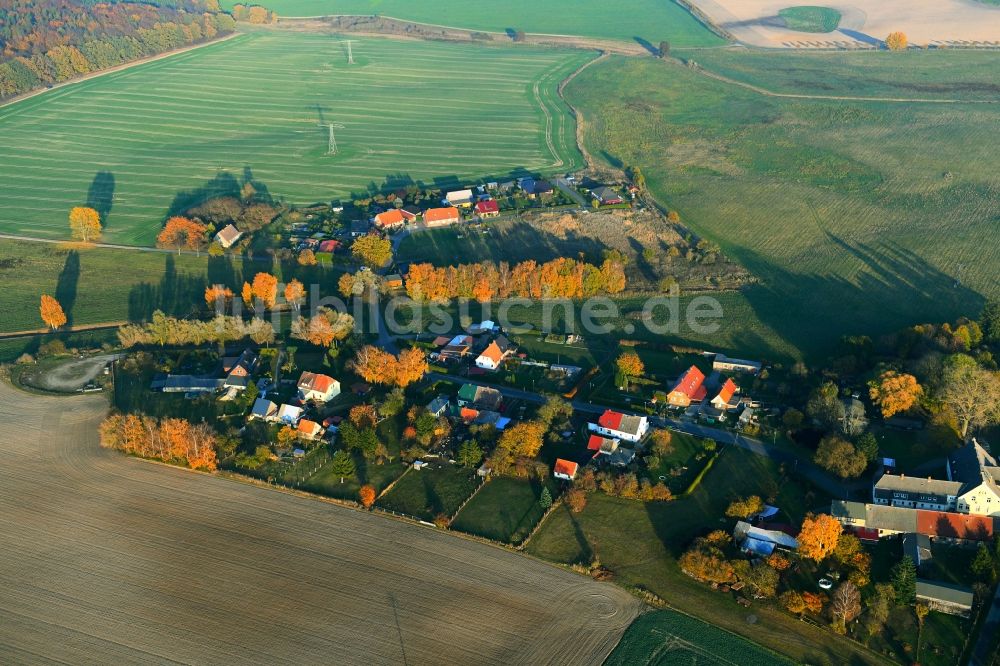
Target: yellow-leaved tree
[(85, 224)]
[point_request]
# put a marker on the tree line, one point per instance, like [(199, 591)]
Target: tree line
[(485, 281), (169, 440), (42, 43)]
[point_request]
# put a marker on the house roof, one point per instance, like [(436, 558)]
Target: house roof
[(605, 193), (311, 381), (410, 212), (916, 484), (329, 246), (845, 509), (567, 467), (493, 353), (595, 442), (229, 234), (727, 391), (890, 518), (289, 410), (626, 423), (947, 592), (467, 392), (488, 206), (263, 407), (468, 414), (690, 383), (459, 195), (389, 218), (308, 427), (437, 404), (954, 525), (441, 214), (972, 464)]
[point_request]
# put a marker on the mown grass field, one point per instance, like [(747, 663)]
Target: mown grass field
[(858, 217), (151, 140), (430, 492), (809, 18), (651, 20), (666, 637), (965, 75), (505, 510)]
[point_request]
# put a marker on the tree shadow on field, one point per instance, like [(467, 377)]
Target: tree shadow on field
[(893, 288), (101, 195), (653, 50), (66, 284), (224, 184), (176, 294)]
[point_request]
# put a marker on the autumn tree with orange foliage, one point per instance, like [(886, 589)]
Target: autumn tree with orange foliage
[(263, 289), (411, 366), (896, 41), (818, 537), (630, 365), (372, 250), (367, 496), (170, 440), (362, 416), (295, 294), (325, 328), (52, 312), (576, 500), (374, 365), (85, 224), (217, 296), (894, 392), (307, 258), (182, 233)]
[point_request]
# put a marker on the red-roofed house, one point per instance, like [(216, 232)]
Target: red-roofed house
[(329, 246), (565, 469), (488, 208), (390, 219), (313, 386), (726, 393), (442, 217), (620, 426), (945, 525), (468, 414), (309, 429), (601, 445), (409, 213), (689, 388), (492, 356)]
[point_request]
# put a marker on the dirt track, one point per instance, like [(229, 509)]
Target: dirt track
[(113, 560)]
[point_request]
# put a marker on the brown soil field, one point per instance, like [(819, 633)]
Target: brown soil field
[(108, 559)]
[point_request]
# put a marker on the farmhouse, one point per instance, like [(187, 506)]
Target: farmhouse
[(410, 213), (442, 217), (459, 198), (316, 387), (565, 469), (945, 597), (390, 219), (458, 347), (227, 236), (616, 425), (606, 196), (724, 364), (723, 400), (494, 354), (488, 208), (309, 430), (874, 521), (689, 388)]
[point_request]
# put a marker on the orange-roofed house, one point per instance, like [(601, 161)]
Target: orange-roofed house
[(616, 425), (468, 414), (954, 526), (390, 219), (602, 445), (565, 469), (493, 356), (726, 393), (309, 429), (442, 217), (317, 387), (689, 388)]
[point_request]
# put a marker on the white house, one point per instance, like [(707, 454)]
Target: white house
[(289, 414), (494, 354), (565, 469), (459, 198), (616, 425), (317, 387), (264, 409), (228, 235)]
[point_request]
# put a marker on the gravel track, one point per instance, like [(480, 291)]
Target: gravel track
[(108, 559)]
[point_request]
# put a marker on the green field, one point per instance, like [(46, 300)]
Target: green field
[(668, 638), (150, 140), (430, 492), (810, 18), (857, 217), (918, 73), (650, 20), (505, 510)]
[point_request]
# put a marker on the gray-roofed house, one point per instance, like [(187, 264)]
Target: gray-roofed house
[(945, 597), (438, 405), (917, 547), (228, 235), (916, 492), (889, 520), (264, 409), (849, 513)]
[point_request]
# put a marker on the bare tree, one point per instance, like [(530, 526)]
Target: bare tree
[(846, 604), (969, 391), (854, 421)]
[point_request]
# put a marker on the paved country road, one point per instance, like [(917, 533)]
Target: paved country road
[(109, 559)]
